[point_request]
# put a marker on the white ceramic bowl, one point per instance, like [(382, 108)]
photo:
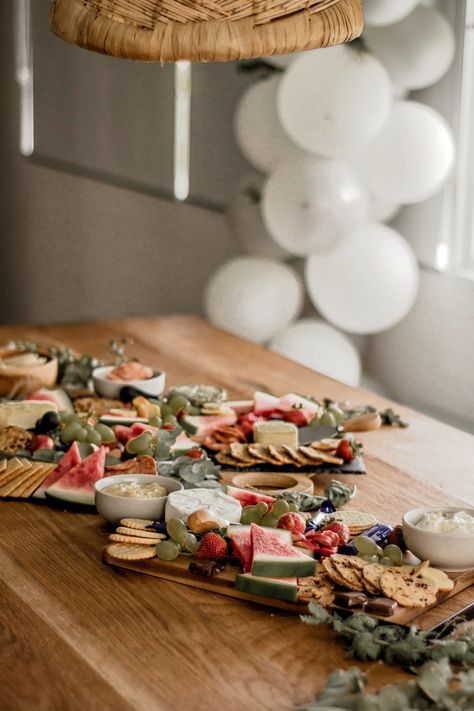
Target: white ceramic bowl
[(448, 551), (111, 388), (113, 508)]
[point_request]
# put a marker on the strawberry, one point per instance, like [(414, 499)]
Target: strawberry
[(194, 453), (348, 449), (342, 530), (292, 522), (212, 547)]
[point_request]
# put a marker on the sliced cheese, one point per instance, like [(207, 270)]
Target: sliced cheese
[(276, 432), (180, 504), (24, 413)]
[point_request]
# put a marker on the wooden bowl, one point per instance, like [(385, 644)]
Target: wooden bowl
[(273, 484), (20, 380)]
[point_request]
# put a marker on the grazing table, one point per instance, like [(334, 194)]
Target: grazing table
[(77, 634)]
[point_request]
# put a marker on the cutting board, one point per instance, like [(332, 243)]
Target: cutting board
[(224, 584)]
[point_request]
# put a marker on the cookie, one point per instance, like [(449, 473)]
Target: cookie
[(131, 552), (141, 533), (136, 540), (407, 589), (13, 438)]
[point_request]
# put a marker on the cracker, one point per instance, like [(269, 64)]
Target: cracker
[(13, 438), (131, 552), (140, 524), (324, 456), (298, 458), (355, 519), (332, 572), (28, 477), (16, 474), (407, 589), (120, 538), (371, 577), (316, 587), (42, 475), (3, 464), (142, 533), (438, 578), (260, 451), (240, 452), (13, 468), (351, 575), (279, 454)]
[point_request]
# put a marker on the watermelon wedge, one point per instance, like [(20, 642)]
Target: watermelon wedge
[(265, 404), (273, 558), (71, 459), (279, 588), (203, 425), (242, 547), (248, 498), (77, 486), (291, 401)]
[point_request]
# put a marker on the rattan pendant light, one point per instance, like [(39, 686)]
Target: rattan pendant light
[(204, 30)]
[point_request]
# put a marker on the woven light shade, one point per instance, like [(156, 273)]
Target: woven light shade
[(204, 30)]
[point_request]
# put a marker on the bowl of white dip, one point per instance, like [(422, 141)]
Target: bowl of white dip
[(134, 496), (442, 535)]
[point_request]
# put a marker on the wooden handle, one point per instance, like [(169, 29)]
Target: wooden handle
[(363, 423)]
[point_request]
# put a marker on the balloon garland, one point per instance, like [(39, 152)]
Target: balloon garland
[(341, 148)]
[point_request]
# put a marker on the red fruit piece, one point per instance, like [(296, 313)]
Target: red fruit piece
[(342, 530), (212, 547), (344, 450), (296, 416), (41, 441), (327, 551), (194, 453), (321, 539), (169, 426), (292, 522)]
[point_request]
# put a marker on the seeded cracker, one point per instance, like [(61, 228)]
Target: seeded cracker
[(408, 590), (131, 552), (371, 577)]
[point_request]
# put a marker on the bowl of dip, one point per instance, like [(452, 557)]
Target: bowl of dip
[(110, 379), (134, 496), (442, 535)]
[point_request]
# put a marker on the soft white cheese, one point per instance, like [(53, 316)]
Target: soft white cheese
[(180, 504), (459, 522), (24, 413)]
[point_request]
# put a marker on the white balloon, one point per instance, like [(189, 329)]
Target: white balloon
[(410, 159), (417, 51), (368, 284), (245, 220), (258, 132), (334, 99), (386, 12), (319, 346), (308, 203), (382, 210), (253, 297)]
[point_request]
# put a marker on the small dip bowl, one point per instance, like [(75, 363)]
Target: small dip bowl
[(449, 551), (153, 387), (113, 508)]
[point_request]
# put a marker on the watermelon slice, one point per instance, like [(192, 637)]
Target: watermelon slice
[(71, 459), (248, 498), (240, 530), (265, 404), (273, 558), (241, 407), (280, 588), (77, 486), (58, 396), (203, 425), (242, 550), (291, 401)]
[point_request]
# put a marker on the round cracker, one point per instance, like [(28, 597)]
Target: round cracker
[(134, 540), (131, 552), (371, 577), (141, 533), (351, 576), (355, 519), (139, 523), (408, 590)]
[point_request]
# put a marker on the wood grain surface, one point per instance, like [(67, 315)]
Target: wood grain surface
[(76, 633)]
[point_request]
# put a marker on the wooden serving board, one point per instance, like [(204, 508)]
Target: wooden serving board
[(224, 584)]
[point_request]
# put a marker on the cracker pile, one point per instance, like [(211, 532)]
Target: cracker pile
[(241, 455), (13, 438), (409, 586), (20, 477), (357, 521), (133, 541)]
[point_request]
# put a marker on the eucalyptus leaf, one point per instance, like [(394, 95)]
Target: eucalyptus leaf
[(434, 677)]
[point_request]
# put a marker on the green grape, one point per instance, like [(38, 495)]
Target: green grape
[(337, 413), (365, 546), (280, 507), (93, 437), (294, 508), (167, 550), (137, 445), (155, 421), (270, 520), (73, 431), (106, 432), (177, 530), (193, 410), (393, 553), (177, 403), (67, 417), (314, 422), (327, 419), (190, 543), (262, 508), (370, 558), (170, 420), (384, 560), (379, 551), (250, 515), (165, 410)]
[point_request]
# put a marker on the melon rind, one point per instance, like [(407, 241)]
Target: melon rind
[(240, 530), (281, 589), (202, 425), (275, 566)]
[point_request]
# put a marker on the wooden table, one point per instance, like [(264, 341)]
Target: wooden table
[(76, 634)]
